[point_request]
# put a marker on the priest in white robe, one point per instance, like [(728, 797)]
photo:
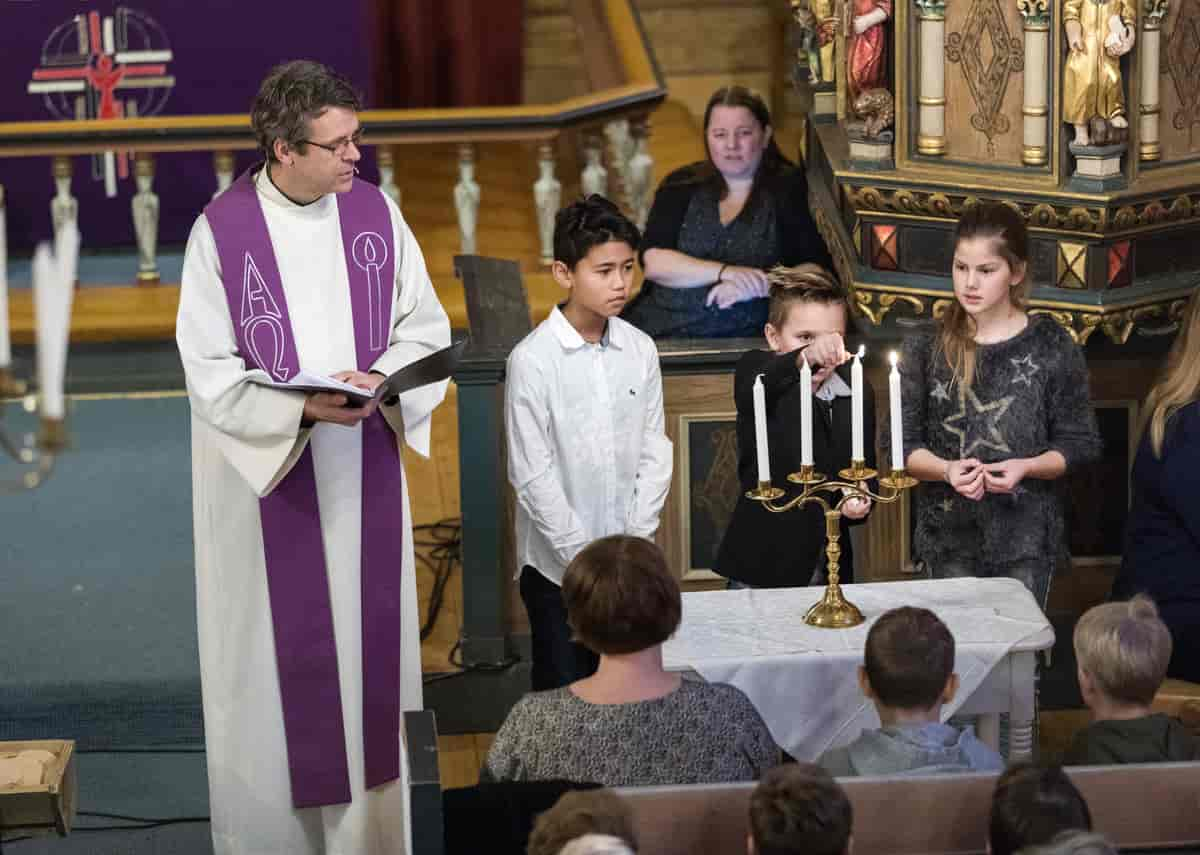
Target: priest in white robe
[(246, 439)]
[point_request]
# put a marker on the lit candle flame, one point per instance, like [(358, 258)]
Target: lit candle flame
[(893, 358), (862, 351)]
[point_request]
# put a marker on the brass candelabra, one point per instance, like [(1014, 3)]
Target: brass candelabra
[(833, 610)]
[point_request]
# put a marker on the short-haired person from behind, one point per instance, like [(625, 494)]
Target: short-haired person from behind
[(1031, 805), (579, 813), (588, 454), (1162, 537), (807, 321), (1122, 650), (799, 809), (908, 674), (631, 723), (996, 408)]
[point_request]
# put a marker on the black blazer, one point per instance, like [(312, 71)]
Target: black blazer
[(771, 550)]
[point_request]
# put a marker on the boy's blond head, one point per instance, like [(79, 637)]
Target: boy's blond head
[(1125, 648)]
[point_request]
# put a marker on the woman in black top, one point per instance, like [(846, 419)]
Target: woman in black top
[(1162, 540), (717, 226)]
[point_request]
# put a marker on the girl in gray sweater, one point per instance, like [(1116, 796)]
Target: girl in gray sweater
[(996, 409)]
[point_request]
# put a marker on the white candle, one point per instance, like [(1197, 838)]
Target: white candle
[(856, 406), (760, 431), (5, 342), (806, 436), (53, 290), (897, 423)]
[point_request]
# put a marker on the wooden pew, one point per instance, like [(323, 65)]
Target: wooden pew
[(1142, 807)]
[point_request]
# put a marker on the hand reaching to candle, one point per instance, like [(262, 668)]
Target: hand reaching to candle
[(856, 508), (824, 354), (967, 478), (1004, 476)]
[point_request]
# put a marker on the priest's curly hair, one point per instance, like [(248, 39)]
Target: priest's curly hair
[(292, 95)]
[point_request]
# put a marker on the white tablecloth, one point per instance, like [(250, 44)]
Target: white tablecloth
[(803, 680)]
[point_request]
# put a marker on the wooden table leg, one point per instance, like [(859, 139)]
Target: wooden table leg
[(1024, 707)]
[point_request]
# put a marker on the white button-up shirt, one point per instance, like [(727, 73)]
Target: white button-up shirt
[(587, 452)]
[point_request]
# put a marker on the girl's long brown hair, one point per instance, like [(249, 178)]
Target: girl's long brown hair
[(1179, 383), (1005, 226)]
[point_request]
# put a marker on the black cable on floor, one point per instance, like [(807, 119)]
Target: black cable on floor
[(440, 553)]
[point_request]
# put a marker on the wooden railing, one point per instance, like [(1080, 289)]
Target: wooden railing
[(626, 82)]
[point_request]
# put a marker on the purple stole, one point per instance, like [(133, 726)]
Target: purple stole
[(294, 550)]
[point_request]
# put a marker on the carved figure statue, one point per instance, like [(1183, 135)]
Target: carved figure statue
[(866, 47), (826, 14), (876, 109), (145, 226), (1098, 35), (806, 39)]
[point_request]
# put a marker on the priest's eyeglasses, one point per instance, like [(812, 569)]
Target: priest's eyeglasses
[(341, 147)]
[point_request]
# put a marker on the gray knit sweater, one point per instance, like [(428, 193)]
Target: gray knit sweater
[(1030, 395)]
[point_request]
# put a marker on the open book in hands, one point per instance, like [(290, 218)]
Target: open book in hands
[(428, 369)]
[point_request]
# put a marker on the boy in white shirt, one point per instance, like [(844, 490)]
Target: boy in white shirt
[(583, 411)]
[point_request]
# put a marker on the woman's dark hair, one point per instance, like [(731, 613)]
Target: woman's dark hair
[(588, 223), (1031, 805), (620, 595), (292, 95), (773, 162)]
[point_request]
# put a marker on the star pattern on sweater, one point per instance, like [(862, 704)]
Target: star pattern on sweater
[(939, 391), (976, 424), (1030, 368)]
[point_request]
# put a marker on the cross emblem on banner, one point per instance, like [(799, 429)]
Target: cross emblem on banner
[(89, 65)]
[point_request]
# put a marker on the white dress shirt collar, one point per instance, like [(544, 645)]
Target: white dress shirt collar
[(570, 339)]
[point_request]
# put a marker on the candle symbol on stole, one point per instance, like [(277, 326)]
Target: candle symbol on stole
[(856, 406), (894, 406), (806, 395), (760, 431)]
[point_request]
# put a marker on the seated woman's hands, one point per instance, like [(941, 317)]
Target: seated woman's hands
[(737, 285)]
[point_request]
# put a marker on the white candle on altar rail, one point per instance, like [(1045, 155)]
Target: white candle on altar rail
[(760, 431), (894, 404), (856, 406), (806, 396)]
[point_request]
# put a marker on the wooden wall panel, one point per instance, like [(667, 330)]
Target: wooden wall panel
[(1178, 143), (966, 142)]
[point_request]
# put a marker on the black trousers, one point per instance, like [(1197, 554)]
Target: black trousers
[(557, 660)]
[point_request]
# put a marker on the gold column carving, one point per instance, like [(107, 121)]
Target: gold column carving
[(931, 94), (1035, 111), (1149, 148)]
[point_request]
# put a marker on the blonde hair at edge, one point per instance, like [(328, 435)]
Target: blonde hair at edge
[(1125, 648), (1179, 383), (1006, 227), (1073, 843)]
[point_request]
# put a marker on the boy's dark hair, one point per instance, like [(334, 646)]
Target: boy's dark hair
[(908, 658), (799, 809), (1031, 805), (804, 283), (588, 223), (620, 595), (292, 95), (581, 812)]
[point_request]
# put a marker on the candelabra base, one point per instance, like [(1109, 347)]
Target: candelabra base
[(833, 611)]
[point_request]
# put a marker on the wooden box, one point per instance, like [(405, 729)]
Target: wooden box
[(49, 806)]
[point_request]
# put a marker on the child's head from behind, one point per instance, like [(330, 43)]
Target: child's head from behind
[(798, 809), (806, 301), (621, 596), (595, 247), (908, 664), (1031, 805), (580, 813), (1122, 651)]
